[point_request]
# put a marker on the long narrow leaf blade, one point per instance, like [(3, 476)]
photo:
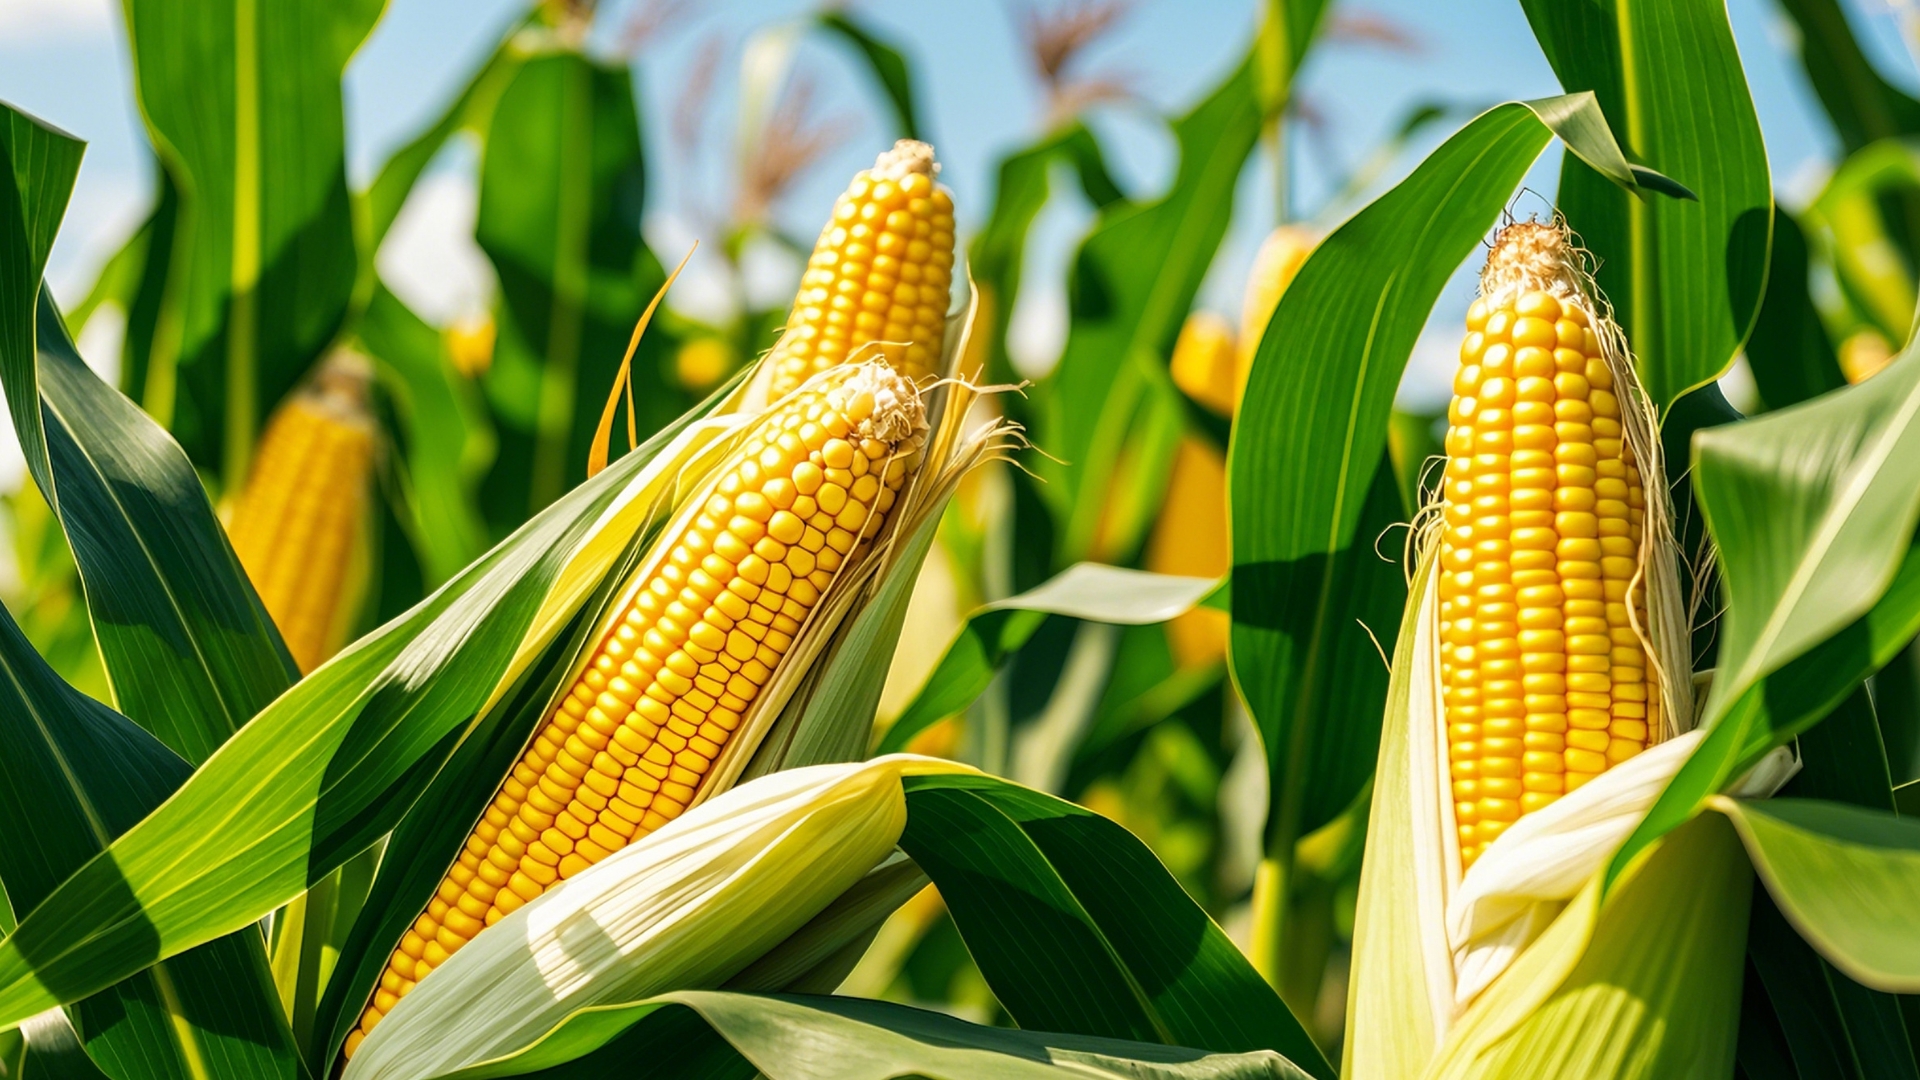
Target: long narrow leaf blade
[(1684, 276), (330, 766), (76, 774), (1078, 927), (1088, 591)]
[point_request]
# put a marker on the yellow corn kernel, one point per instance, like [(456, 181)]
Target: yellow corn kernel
[(1204, 361), (300, 521), (655, 728), (880, 275), (1544, 674)]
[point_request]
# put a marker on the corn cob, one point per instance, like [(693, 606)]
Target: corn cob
[(632, 742), (1204, 359), (1544, 662), (302, 512), (880, 274), (1190, 539)]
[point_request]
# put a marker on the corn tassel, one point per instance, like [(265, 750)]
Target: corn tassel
[(301, 518), (703, 629), (880, 275)]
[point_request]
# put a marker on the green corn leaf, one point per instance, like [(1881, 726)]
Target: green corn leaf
[(562, 188), (1863, 106), (1814, 509), (888, 66), (1133, 280), (1836, 1025), (75, 775), (1861, 242), (417, 854), (49, 1050), (712, 1035), (1077, 927), (997, 252), (1792, 359), (470, 112), (38, 164), (1896, 693), (189, 651), (242, 104), (1684, 276), (994, 632), (1844, 876), (333, 764), (446, 439)]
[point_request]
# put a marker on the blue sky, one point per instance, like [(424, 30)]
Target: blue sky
[(65, 60)]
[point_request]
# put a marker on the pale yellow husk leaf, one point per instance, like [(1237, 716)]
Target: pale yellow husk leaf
[(686, 907)]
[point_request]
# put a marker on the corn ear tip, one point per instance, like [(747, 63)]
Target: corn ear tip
[(905, 157)]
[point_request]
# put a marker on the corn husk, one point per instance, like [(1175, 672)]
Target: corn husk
[(687, 907)]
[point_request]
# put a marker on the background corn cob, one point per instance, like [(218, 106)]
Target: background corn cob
[(631, 743), (1204, 361), (880, 272), (1190, 539), (299, 524), (469, 343), (1544, 665), (1280, 257)]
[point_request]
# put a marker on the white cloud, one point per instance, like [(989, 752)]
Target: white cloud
[(39, 22), (430, 259)]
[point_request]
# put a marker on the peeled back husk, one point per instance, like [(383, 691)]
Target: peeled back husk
[(687, 907), (1623, 985)]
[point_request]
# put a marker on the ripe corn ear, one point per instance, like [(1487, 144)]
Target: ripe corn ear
[(301, 517), (1546, 526), (880, 275), (631, 744)]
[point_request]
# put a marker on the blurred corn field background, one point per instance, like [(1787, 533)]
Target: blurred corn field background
[(377, 279)]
